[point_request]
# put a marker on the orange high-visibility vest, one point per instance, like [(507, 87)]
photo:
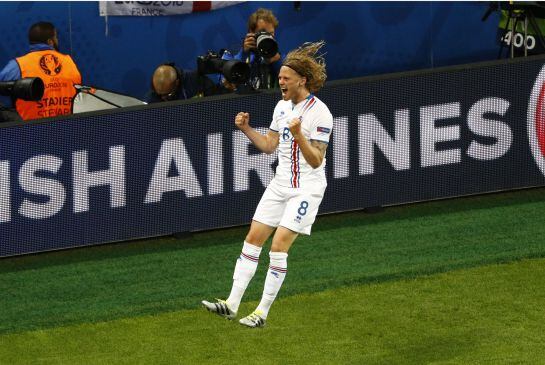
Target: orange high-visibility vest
[(59, 74)]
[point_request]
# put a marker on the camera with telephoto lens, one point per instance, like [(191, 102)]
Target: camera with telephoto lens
[(235, 71), (266, 44), (28, 88)]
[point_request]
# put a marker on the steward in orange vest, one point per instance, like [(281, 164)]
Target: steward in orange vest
[(58, 72)]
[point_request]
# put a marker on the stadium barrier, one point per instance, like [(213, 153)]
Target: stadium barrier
[(182, 166)]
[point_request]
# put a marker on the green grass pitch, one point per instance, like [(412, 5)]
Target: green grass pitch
[(449, 282)]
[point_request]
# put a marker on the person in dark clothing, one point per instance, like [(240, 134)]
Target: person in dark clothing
[(263, 70), (9, 115), (171, 83)]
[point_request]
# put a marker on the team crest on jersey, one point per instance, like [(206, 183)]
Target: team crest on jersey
[(50, 64)]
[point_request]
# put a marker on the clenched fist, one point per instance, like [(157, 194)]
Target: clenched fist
[(295, 127), (242, 120)]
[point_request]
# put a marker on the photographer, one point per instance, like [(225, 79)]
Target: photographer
[(8, 115), (264, 66), (172, 83)]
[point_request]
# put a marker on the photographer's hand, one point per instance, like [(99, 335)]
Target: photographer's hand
[(228, 85), (249, 42), (274, 58)]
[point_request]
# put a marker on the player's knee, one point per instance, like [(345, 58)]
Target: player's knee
[(254, 239), (282, 241), (280, 246), (259, 233)]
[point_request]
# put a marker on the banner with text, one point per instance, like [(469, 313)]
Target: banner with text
[(159, 8), (183, 166)]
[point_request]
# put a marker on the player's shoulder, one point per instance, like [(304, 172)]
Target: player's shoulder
[(320, 103), (282, 107), (283, 104), (320, 107)]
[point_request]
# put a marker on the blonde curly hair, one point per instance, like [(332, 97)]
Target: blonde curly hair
[(307, 62)]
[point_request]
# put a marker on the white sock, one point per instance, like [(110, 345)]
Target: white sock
[(275, 277), (244, 272)]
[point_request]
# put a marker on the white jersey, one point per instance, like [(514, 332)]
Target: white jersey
[(317, 124)]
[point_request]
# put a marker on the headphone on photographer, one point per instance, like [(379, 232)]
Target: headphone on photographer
[(179, 78), (176, 68)]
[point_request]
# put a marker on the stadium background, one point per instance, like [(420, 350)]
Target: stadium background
[(362, 38), (181, 166), (449, 282)]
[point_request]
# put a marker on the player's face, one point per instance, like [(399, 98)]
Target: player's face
[(291, 85)]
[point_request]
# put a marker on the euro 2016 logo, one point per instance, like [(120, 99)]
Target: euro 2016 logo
[(536, 121), (50, 64)]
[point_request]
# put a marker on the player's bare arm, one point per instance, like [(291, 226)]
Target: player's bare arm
[(265, 143), (313, 151), (322, 146)]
